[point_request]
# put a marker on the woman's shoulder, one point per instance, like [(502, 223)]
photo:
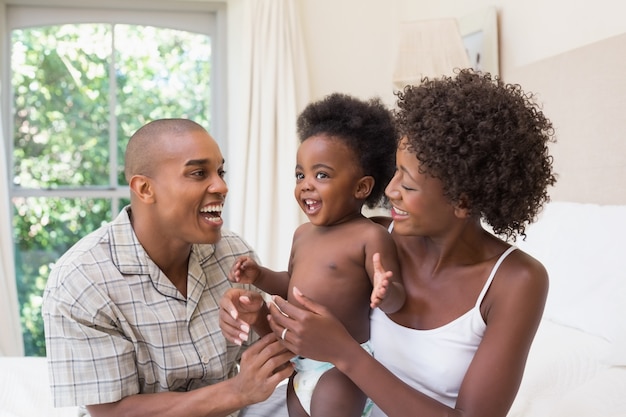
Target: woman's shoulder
[(384, 221), (520, 276)]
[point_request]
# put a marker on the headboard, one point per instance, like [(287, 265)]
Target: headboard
[(583, 92)]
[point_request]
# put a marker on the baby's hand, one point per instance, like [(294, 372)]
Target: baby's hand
[(381, 282), (244, 271)]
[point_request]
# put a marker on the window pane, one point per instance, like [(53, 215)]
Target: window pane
[(70, 84), (61, 120), (162, 73), (45, 228)]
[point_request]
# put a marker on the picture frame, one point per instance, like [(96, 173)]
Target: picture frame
[(479, 32)]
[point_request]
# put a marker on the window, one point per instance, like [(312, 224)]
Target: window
[(81, 82)]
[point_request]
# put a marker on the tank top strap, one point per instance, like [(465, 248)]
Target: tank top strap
[(390, 228), (493, 274)]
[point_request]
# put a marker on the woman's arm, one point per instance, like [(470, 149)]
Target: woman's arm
[(240, 311), (512, 309)]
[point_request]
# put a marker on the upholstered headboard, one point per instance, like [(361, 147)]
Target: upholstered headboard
[(583, 92)]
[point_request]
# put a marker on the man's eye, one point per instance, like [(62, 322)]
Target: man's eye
[(221, 173)]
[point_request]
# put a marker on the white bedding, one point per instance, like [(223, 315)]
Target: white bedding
[(577, 364), (24, 389)]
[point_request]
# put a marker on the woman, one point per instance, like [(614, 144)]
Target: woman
[(473, 151)]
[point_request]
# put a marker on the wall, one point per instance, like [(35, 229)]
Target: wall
[(350, 43), (351, 48)]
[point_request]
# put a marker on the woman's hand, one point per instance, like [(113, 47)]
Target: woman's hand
[(312, 331), (239, 311)]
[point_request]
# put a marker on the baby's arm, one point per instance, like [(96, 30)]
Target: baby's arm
[(388, 292), (247, 271)]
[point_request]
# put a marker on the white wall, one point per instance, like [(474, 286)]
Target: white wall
[(351, 47), (350, 43)]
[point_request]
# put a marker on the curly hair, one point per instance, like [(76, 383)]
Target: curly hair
[(486, 141), (366, 127)]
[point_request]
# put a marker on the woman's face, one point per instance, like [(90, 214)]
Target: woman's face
[(419, 206)]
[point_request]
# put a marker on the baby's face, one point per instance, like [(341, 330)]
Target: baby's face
[(327, 180)]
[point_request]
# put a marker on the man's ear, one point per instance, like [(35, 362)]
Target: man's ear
[(141, 187), (364, 187)]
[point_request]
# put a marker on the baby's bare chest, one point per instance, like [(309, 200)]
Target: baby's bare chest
[(329, 259)]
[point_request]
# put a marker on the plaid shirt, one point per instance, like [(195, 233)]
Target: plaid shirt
[(116, 326)]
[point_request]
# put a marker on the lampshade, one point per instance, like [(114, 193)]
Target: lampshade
[(430, 48)]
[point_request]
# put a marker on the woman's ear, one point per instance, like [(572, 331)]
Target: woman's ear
[(364, 187), (462, 207), (141, 187)]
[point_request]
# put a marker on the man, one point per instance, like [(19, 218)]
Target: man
[(131, 311)]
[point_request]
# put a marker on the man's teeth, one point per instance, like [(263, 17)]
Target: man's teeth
[(213, 208)]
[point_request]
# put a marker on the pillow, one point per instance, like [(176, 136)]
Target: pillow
[(582, 247)]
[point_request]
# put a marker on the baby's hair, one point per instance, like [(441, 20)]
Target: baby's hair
[(486, 141), (366, 127)]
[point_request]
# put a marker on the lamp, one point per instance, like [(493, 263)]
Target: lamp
[(428, 48)]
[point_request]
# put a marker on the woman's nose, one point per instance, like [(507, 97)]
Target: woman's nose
[(391, 191)]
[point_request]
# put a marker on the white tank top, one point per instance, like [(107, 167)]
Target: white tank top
[(433, 361)]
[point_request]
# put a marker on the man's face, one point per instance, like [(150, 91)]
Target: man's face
[(189, 188)]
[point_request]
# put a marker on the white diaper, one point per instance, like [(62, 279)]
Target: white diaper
[(309, 371)]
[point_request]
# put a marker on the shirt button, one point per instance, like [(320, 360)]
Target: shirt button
[(204, 359)]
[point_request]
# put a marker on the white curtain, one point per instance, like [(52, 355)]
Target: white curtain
[(11, 343), (264, 210)]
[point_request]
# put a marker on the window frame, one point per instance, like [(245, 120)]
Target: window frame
[(180, 15), (204, 17)]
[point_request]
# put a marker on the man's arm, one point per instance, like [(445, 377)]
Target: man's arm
[(263, 366)]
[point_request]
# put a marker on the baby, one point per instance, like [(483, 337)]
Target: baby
[(344, 162)]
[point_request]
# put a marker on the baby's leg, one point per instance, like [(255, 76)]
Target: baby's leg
[(293, 403), (335, 395)]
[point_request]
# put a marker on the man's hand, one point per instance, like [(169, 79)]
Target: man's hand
[(263, 366)]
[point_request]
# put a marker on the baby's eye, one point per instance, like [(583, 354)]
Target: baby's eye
[(321, 175), (299, 176)]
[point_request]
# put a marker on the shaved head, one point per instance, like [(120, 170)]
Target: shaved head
[(144, 148)]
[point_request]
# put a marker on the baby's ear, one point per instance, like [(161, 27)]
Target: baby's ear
[(364, 187)]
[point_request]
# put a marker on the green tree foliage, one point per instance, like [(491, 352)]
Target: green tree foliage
[(79, 92)]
